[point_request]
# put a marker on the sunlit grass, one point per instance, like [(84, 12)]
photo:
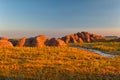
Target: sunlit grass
[(56, 63), (108, 47)]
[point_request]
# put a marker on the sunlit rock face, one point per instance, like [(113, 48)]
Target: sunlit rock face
[(39, 41), (21, 43), (5, 43)]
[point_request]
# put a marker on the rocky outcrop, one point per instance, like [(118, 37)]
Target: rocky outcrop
[(80, 40), (55, 42), (38, 41), (5, 43), (97, 37), (82, 37), (41, 40), (70, 39), (85, 36), (66, 39), (3, 38), (22, 42)]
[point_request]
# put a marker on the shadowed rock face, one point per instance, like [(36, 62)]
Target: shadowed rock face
[(13, 41), (82, 37), (66, 39), (29, 42), (5, 43), (55, 42)]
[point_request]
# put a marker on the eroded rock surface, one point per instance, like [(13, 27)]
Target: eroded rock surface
[(82, 37), (55, 42)]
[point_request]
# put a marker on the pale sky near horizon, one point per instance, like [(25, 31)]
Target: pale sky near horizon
[(58, 17)]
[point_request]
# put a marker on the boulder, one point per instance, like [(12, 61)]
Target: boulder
[(55, 42), (81, 35), (39, 41), (76, 37), (21, 43), (80, 40), (86, 36), (66, 39), (73, 39), (5, 43)]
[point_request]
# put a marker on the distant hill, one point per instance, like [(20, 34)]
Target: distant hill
[(112, 37)]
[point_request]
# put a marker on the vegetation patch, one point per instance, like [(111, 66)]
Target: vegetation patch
[(56, 63), (107, 47)]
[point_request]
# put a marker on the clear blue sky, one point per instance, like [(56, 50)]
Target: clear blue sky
[(32, 17)]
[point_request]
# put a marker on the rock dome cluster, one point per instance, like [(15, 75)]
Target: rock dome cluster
[(42, 40)]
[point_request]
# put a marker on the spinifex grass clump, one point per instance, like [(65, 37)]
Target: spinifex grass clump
[(56, 63)]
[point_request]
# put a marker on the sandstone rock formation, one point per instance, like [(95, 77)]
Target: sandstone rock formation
[(41, 40), (5, 43), (82, 37), (38, 41), (3, 38), (29, 42), (66, 39), (21, 43), (55, 42), (80, 40), (70, 39)]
